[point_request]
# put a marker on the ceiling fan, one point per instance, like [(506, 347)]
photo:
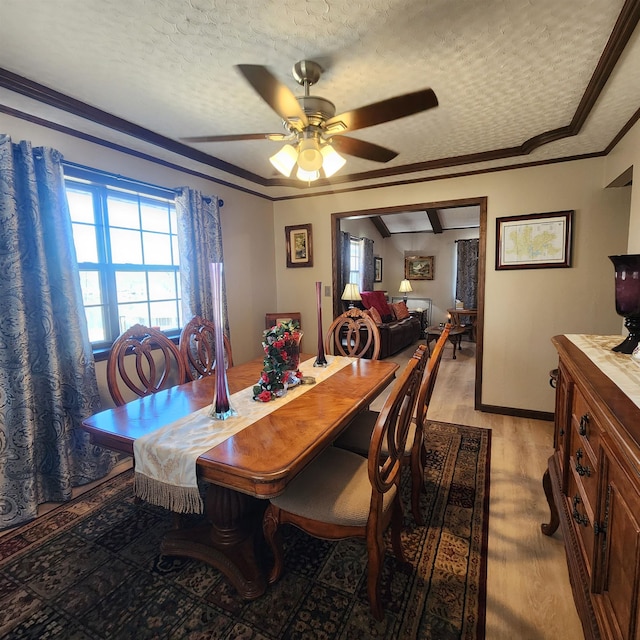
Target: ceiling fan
[(314, 131)]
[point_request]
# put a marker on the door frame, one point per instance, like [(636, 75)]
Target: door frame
[(480, 202)]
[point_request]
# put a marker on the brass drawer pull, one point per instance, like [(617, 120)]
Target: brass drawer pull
[(582, 471), (579, 517)]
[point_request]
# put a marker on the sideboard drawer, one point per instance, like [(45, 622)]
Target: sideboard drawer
[(584, 463), (585, 425), (582, 521)]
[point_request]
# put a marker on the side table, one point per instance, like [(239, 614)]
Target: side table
[(455, 337), (472, 314)]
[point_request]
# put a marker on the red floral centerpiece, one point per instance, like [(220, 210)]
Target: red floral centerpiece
[(281, 346)]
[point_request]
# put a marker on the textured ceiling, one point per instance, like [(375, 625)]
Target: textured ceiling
[(504, 71)]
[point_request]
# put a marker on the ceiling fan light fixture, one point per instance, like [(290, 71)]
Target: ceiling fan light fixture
[(309, 155), (332, 162), (307, 176), (284, 160)]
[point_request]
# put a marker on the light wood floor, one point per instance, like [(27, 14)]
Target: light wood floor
[(528, 591)]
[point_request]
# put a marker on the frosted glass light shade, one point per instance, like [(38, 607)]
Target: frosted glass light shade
[(310, 158), (307, 176), (309, 155), (332, 162), (284, 160)]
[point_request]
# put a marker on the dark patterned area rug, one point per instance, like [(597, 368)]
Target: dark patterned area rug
[(90, 569)]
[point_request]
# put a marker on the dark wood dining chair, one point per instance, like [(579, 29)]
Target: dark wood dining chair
[(343, 495), (354, 334), (357, 436), (418, 452), (198, 348), (271, 319), (143, 361)]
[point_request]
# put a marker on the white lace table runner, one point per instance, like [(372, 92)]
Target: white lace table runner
[(165, 459), (620, 368)]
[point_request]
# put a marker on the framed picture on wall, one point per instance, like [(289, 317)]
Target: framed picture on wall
[(377, 269), (299, 246), (418, 268), (534, 241)]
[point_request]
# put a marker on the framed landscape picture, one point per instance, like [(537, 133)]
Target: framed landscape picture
[(377, 269), (418, 268), (299, 246), (534, 241)]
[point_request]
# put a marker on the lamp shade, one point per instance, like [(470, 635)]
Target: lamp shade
[(405, 286), (351, 292), (307, 176), (284, 160), (309, 156), (332, 162)]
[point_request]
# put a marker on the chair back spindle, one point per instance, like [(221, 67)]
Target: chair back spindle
[(353, 334), (198, 348), (144, 361)]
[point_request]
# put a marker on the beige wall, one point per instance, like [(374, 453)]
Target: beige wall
[(393, 250), (523, 308), (625, 155), (442, 247)]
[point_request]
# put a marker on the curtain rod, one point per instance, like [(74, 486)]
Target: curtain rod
[(81, 171)]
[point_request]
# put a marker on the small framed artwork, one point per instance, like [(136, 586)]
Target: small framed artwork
[(418, 268), (377, 269), (534, 241), (299, 246)]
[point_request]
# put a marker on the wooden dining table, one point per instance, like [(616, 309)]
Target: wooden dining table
[(250, 467)]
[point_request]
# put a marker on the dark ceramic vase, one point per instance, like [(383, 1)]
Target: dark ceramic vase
[(221, 408), (628, 298), (321, 360)]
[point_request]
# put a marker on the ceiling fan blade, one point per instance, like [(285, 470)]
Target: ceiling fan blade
[(383, 111), (239, 136), (362, 149), (275, 94)]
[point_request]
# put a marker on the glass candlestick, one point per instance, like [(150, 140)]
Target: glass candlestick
[(221, 408), (628, 298), (321, 360)]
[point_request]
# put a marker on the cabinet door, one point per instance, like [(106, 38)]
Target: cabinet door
[(618, 558), (564, 387)]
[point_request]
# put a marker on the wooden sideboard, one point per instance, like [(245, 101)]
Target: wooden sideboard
[(592, 485)]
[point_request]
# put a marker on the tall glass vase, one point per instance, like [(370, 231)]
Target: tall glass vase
[(221, 408), (321, 360)]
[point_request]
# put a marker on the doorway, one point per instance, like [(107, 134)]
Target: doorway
[(481, 203)]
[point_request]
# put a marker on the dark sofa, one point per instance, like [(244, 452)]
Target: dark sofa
[(398, 334), (395, 334)]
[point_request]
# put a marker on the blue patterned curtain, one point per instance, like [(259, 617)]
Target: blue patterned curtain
[(199, 243), (47, 372)]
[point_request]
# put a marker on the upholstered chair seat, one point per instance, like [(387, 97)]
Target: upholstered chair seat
[(345, 498), (358, 436)]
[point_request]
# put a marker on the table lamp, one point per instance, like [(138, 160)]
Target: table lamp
[(351, 293), (405, 287)]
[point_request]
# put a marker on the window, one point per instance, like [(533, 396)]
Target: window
[(355, 252), (127, 249)]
